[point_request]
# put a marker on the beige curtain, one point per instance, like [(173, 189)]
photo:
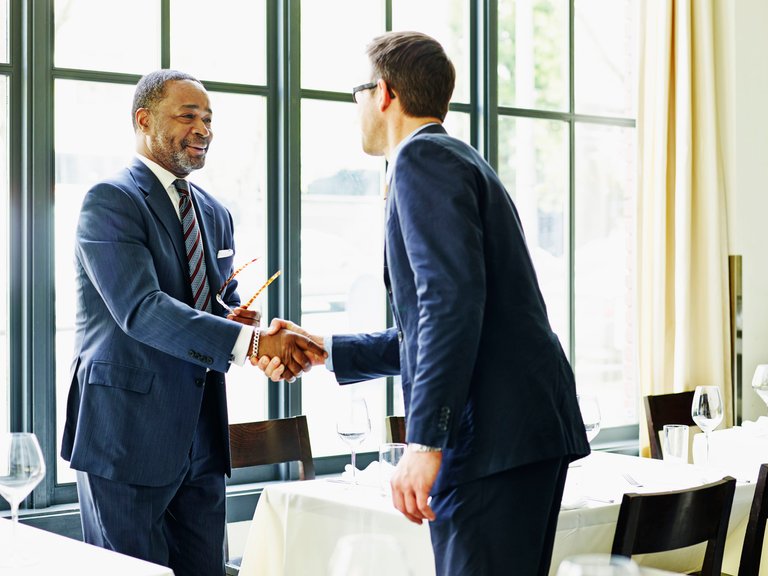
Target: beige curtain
[(682, 283)]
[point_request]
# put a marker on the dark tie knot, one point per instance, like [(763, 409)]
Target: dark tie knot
[(182, 186)]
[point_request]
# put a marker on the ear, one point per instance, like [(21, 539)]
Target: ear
[(143, 119), (385, 95)]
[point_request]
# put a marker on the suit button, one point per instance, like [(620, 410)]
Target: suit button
[(199, 381), (399, 335), (191, 353)]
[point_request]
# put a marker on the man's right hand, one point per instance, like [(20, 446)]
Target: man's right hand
[(273, 366), (295, 349)]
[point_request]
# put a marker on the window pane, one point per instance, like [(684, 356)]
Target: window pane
[(233, 48), (533, 164), (4, 34), (342, 215), (605, 53), (604, 261), (458, 125), (85, 152), (533, 54), (236, 173), (110, 36), (4, 242), (333, 52), (447, 21)]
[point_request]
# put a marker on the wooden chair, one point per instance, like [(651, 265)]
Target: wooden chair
[(752, 550), (396, 429), (269, 442), (663, 409), (664, 521)]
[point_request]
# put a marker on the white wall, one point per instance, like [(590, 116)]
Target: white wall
[(742, 46)]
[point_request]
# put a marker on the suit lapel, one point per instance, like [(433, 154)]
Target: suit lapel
[(160, 204)]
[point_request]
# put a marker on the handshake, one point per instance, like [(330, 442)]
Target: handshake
[(285, 349)]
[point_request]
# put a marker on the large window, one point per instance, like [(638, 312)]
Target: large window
[(566, 154), (550, 104)]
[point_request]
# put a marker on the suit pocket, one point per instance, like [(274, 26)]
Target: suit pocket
[(123, 377)]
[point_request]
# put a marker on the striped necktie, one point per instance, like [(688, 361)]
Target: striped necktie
[(193, 241)]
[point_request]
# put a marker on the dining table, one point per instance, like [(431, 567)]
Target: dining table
[(297, 525), (43, 553), (738, 450)]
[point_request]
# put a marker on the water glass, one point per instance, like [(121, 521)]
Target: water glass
[(389, 457), (676, 443)]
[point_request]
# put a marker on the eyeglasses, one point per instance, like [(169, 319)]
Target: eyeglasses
[(366, 86), (261, 289)]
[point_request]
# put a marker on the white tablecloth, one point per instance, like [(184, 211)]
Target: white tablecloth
[(738, 451), (55, 554), (297, 524)]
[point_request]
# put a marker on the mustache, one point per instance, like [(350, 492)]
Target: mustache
[(200, 142)]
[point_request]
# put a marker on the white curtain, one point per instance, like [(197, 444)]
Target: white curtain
[(682, 296)]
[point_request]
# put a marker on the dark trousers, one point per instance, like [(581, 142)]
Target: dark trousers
[(180, 525), (500, 525)]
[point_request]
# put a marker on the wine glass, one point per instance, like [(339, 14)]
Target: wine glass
[(598, 565), (353, 426), (707, 410), (590, 414), (21, 469)]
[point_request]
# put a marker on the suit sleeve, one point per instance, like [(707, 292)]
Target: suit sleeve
[(112, 245), (358, 357), (437, 210)]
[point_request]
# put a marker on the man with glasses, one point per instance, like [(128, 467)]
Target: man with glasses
[(147, 428), (490, 400)]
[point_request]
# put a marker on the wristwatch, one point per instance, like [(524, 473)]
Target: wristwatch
[(413, 447)]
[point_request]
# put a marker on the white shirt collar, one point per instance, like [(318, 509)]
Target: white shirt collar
[(166, 178)]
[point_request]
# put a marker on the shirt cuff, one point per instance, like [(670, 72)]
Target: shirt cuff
[(328, 345), (243, 342)]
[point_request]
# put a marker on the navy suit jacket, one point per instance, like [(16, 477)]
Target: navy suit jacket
[(142, 352), (483, 375)]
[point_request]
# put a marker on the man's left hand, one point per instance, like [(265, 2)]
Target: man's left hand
[(246, 316), (411, 483)]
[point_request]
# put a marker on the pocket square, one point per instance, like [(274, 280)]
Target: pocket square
[(225, 253)]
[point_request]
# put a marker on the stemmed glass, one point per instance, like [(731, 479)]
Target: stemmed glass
[(21, 469), (353, 426), (590, 414), (707, 410)]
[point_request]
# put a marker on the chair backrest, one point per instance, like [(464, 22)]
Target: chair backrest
[(272, 442), (396, 429), (663, 409), (269, 442), (662, 521), (752, 550)]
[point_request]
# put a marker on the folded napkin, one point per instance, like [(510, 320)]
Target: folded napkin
[(572, 502), (370, 476)]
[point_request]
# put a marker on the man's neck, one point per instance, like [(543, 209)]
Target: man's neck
[(403, 127)]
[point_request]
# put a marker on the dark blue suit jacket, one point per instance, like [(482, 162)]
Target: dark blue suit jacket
[(142, 352), (484, 376)]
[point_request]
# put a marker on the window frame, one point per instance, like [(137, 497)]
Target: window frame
[(32, 75)]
